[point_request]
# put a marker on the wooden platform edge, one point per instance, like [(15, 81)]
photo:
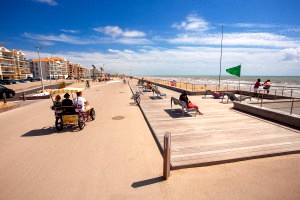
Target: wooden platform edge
[(174, 167), (150, 127)]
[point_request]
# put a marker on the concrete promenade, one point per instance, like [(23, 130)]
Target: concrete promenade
[(116, 157)]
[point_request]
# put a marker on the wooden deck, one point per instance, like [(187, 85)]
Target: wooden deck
[(221, 135)]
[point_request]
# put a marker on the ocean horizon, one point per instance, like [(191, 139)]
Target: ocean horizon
[(278, 81)]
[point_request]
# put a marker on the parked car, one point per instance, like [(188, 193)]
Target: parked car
[(9, 81), (8, 92), (24, 81), (33, 79)]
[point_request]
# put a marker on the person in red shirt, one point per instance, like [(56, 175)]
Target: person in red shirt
[(256, 86)]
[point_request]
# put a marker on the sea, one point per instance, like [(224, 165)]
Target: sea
[(286, 85)]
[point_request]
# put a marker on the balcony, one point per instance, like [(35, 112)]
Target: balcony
[(7, 57), (8, 72)]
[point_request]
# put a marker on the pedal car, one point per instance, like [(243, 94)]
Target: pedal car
[(69, 115)]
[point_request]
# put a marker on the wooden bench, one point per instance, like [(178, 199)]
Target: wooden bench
[(157, 92), (232, 97), (183, 106)]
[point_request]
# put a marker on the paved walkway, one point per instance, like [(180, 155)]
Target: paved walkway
[(118, 159)]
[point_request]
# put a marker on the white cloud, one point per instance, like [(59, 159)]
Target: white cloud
[(237, 39), (84, 41), (295, 30), (133, 41), (193, 23), (115, 31), (60, 38), (47, 43), (251, 25), (69, 31), (189, 60), (291, 54), (49, 2)]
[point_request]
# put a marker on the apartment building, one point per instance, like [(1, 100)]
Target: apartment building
[(13, 64), (76, 70), (55, 68)]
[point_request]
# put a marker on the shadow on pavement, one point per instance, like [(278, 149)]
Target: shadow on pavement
[(147, 182), (155, 97), (48, 131)]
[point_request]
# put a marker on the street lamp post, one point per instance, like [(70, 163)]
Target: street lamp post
[(103, 70), (41, 71)]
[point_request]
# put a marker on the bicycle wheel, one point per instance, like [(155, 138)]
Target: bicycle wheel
[(59, 123), (81, 123), (93, 114)]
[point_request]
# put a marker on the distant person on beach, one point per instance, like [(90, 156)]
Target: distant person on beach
[(83, 103), (267, 85), (57, 101), (67, 101), (184, 97), (256, 86)]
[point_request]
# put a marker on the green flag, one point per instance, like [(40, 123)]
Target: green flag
[(234, 70)]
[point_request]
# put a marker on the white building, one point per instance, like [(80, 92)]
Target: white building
[(13, 64), (51, 68)]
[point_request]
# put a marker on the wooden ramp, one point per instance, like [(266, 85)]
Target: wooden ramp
[(221, 135)]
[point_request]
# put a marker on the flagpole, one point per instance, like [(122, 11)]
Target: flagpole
[(240, 78), (221, 58)]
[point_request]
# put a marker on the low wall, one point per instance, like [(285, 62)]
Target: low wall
[(10, 107), (276, 115), (34, 97)]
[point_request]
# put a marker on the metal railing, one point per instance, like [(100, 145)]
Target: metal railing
[(275, 92)]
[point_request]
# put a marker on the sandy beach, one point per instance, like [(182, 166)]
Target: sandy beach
[(116, 157)]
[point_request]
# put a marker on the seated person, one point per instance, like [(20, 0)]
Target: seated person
[(67, 101), (149, 86), (57, 101), (217, 95), (83, 103), (183, 97)]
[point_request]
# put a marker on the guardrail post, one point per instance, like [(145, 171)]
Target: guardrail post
[(282, 91), (262, 97), (241, 95), (291, 93), (292, 106), (23, 96), (4, 98), (167, 155), (275, 95)]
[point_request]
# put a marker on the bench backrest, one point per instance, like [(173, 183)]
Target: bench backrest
[(178, 102)]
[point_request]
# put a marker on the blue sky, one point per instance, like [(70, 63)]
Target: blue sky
[(159, 37)]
